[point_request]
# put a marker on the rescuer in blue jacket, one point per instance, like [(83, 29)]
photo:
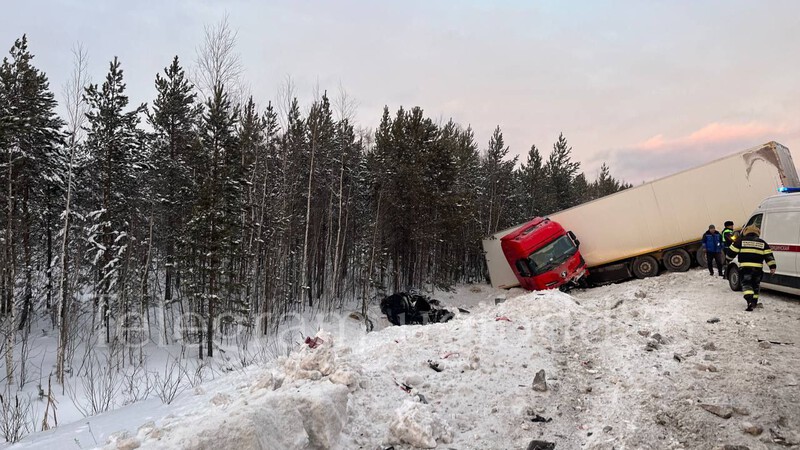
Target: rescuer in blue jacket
[(712, 243)]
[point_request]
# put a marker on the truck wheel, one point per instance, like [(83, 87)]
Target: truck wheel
[(734, 278), (677, 260), (701, 257), (645, 266)]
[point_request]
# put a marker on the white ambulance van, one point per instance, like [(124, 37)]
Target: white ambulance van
[(778, 217)]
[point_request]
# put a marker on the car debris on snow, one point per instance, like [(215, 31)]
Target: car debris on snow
[(541, 445)]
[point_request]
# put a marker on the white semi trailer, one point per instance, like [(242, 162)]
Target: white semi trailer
[(636, 231)]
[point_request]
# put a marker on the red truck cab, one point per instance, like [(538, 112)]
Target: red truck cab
[(544, 256)]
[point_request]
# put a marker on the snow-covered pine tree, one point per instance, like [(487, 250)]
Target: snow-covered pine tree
[(498, 194), (216, 219), (318, 193), (533, 188), (112, 143), (30, 135), (561, 172), (174, 118), (250, 133)]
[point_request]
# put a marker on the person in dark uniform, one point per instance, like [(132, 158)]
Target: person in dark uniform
[(753, 252), (728, 236), (712, 243)]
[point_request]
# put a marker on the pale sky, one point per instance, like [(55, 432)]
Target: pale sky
[(651, 87)]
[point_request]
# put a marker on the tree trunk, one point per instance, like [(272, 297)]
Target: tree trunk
[(27, 297), (63, 304), (11, 265), (304, 286)]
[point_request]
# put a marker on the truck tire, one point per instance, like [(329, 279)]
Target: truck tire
[(734, 278), (677, 260), (645, 266), (701, 257)]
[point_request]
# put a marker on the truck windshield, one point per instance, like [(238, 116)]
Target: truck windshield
[(551, 255)]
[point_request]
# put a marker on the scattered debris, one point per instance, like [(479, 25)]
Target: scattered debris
[(498, 300), (721, 411), (735, 447), (405, 387), (539, 381), (314, 343), (652, 344), (619, 302), (677, 357), (709, 346), (422, 398), (538, 418), (541, 445), (434, 366), (644, 333), (713, 320), (749, 428), (463, 311), (607, 429), (640, 294), (706, 368), (776, 342), (502, 318)]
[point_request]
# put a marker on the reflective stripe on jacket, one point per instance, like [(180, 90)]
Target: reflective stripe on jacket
[(728, 236), (752, 252)]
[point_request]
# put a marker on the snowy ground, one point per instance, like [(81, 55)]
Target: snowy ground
[(628, 366)]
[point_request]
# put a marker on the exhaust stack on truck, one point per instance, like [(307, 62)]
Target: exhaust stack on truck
[(636, 231)]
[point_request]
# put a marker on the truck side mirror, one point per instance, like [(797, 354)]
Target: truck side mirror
[(574, 238)]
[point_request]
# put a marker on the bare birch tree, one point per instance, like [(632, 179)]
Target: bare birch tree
[(218, 63), (75, 104)]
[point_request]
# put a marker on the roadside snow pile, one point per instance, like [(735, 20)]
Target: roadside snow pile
[(672, 362), (417, 424), (302, 406), (467, 382)]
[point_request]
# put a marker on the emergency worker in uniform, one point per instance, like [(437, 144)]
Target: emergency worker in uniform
[(753, 252), (728, 236)]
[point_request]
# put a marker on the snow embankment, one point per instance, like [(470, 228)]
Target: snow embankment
[(672, 362), (300, 404), (408, 387)]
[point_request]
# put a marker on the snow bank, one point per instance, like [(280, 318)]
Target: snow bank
[(417, 424), (304, 406)]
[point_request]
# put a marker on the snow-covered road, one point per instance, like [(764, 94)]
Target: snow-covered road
[(638, 365)]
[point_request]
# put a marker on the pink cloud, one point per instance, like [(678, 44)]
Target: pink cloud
[(659, 155), (715, 133)]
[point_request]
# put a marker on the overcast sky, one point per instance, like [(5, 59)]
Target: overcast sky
[(651, 87)]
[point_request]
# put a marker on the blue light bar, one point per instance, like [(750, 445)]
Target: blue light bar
[(787, 190)]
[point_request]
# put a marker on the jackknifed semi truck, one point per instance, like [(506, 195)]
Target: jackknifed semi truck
[(640, 230)]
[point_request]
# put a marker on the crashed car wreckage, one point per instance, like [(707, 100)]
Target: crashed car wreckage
[(407, 308)]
